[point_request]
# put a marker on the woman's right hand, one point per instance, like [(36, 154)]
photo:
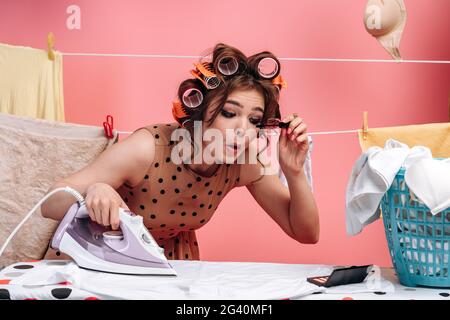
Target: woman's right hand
[(103, 203)]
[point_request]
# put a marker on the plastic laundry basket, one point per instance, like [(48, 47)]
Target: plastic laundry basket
[(418, 241)]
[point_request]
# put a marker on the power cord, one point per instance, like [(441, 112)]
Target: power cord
[(68, 189)]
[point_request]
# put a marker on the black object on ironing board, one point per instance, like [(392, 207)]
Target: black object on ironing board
[(342, 276)]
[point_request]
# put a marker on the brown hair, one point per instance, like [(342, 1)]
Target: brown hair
[(247, 77)]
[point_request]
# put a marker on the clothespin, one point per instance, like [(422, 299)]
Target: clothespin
[(51, 45), (108, 125), (365, 127)]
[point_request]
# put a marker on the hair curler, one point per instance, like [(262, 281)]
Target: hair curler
[(227, 66), (205, 74), (192, 98), (268, 68)]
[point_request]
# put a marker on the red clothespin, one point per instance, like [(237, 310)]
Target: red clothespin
[(108, 125)]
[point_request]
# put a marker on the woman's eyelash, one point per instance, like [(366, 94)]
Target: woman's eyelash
[(255, 121), (227, 114)]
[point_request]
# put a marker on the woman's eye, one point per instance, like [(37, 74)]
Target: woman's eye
[(227, 114), (255, 121)]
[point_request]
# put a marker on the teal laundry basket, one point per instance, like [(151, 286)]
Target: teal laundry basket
[(418, 241)]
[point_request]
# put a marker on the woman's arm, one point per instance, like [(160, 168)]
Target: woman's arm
[(125, 161), (293, 209)]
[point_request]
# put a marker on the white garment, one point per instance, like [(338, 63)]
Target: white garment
[(429, 180), (307, 167), (195, 280), (372, 176)]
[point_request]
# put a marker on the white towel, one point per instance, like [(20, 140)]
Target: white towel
[(372, 176), (429, 180)]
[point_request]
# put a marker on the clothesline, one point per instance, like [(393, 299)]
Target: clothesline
[(285, 59), (108, 126), (309, 134)]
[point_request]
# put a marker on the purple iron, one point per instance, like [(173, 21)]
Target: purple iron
[(92, 246)]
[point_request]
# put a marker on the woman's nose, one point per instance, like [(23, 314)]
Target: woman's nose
[(243, 126), (240, 132)]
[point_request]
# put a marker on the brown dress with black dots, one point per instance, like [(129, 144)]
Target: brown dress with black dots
[(175, 201)]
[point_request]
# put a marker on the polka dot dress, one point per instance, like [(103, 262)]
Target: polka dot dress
[(175, 201)]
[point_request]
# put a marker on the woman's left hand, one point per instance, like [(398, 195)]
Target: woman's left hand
[(293, 145)]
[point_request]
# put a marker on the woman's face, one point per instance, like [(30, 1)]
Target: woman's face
[(242, 111)]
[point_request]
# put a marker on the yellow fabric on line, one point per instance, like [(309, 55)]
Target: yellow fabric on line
[(435, 136), (30, 83)]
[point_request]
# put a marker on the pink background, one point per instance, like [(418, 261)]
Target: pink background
[(328, 95)]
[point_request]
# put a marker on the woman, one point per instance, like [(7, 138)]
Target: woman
[(231, 93)]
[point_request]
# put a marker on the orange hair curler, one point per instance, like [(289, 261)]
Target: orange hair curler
[(205, 75), (279, 82), (178, 111)]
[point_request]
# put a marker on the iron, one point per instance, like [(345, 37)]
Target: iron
[(130, 250)]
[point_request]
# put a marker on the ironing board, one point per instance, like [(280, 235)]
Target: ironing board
[(56, 279)]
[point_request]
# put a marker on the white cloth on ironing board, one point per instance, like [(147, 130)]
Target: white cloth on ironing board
[(371, 176), (195, 280)]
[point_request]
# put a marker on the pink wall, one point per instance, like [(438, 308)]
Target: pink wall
[(329, 95)]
